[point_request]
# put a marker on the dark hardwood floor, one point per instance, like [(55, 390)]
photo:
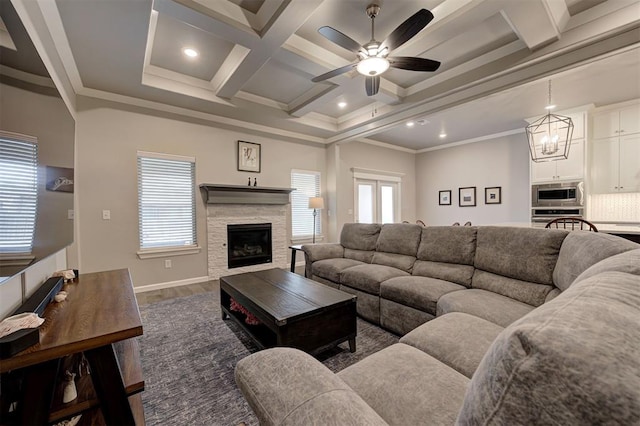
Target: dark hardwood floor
[(185, 290)]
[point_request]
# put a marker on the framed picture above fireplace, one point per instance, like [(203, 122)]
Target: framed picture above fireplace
[(249, 156)]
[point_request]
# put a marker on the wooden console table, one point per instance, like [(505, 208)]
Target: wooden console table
[(100, 319)]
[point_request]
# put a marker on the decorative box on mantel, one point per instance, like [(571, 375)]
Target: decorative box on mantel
[(239, 194)]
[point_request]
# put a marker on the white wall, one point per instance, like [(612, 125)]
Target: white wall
[(107, 140), (501, 162), (362, 155)]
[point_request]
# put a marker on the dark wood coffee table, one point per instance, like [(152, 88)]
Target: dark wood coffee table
[(294, 311)]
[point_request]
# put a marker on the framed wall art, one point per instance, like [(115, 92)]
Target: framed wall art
[(493, 195), (445, 198), (59, 179), (467, 196), (249, 157)]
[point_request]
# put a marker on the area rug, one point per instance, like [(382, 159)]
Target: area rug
[(189, 353)]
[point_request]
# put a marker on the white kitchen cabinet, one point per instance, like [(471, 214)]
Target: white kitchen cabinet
[(615, 160), (618, 122), (561, 170), (616, 164)]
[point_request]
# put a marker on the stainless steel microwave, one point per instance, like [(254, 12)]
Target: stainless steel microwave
[(567, 194)]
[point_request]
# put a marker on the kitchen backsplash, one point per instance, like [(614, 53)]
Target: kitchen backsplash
[(614, 207)]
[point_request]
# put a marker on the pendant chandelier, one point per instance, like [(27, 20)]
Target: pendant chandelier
[(550, 136)]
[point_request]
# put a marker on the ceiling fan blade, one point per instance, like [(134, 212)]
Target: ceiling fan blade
[(333, 73), (372, 85), (340, 39), (412, 26), (413, 64)]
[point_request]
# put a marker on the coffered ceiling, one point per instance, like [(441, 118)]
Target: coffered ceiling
[(257, 58)]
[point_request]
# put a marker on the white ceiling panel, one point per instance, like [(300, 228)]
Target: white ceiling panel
[(279, 82), (172, 36)]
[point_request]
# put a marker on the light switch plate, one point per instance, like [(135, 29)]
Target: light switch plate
[(106, 214)]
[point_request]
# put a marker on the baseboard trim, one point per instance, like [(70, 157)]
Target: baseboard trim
[(169, 284)]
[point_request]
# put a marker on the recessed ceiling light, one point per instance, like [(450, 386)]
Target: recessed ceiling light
[(192, 53), (410, 123), (550, 107), (443, 135), (342, 104)]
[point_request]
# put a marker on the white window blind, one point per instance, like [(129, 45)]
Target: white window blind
[(307, 185), (18, 193), (166, 201)]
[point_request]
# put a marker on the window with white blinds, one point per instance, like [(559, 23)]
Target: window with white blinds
[(18, 193), (166, 201), (306, 184)]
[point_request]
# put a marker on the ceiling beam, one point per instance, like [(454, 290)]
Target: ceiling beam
[(291, 17), (537, 22)]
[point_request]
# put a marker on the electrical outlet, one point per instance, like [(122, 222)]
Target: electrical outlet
[(106, 214), (70, 214), (167, 263)]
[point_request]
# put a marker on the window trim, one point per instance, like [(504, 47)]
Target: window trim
[(156, 252)]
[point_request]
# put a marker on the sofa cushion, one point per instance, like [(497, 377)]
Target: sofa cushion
[(460, 274), (360, 236), (446, 244), (522, 253), (330, 268), (581, 249), (368, 277), (523, 291), (364, 256), (628, 262), (457, 339), (574, 360), (405, 386), (400, 318), (398, 261), (493, 307), (312, 389), (400, 238), (418, 292)]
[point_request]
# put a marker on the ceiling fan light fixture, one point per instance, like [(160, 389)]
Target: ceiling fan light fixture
[(372, 66)]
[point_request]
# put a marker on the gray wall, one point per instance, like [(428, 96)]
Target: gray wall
[(361, 155), (108, 138), (501, 162)]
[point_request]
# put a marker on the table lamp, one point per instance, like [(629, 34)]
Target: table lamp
[(315, 203)]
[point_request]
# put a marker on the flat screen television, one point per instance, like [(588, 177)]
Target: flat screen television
[(37, 135)]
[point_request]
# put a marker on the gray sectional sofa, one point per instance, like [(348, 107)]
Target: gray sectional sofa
[(503, 326)]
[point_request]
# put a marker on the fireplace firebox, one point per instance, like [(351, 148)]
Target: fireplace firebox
[(248, 244)]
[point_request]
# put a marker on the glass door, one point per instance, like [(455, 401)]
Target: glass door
[(377, 201), (365, 201)]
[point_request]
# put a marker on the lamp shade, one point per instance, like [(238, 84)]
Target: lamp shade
[(316, 203)]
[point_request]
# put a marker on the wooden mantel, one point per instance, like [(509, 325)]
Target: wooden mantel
[(244, 194)]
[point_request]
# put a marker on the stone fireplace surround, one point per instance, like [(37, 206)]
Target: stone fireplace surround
[(233, 205)]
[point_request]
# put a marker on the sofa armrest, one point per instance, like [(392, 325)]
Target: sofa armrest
[(285, 386), (315, 252)]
